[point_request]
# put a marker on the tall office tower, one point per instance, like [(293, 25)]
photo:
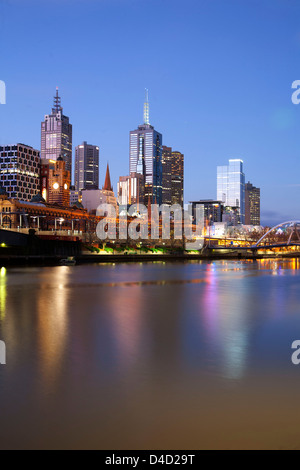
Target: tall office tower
[(252, 205), (177, 178), (56, 135), (167, 175), (172, 176), (131, 189), (55, 182), (231, 186), (86, 166), (20, 171), (145, 156)]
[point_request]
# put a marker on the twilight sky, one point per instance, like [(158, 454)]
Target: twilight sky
[(219, 74)]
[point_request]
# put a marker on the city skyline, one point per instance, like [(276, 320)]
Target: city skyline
[(229, 110)]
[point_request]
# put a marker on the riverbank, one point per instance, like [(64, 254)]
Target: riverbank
[(40, 260)]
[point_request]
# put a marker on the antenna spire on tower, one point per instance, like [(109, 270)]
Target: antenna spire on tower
[(57, 102), (146, 107)]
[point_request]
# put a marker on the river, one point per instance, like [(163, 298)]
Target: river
[(193, 355)]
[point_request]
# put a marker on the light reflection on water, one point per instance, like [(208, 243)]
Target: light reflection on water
[(165, 355)]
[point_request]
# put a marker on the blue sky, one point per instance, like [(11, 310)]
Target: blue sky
[(219, 74)]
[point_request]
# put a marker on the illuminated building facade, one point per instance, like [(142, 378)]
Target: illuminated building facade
[(172, 176), (212, 210), (145, 157), (131, 189), (55, 182), (177, 177), (167, 175), (56, 135), (20, 171), (231, 186), (86, 166), (252, 205), (43, 216)]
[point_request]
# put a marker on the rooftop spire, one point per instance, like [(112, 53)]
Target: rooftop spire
[(107, 185), (57, 103), (146, 108)]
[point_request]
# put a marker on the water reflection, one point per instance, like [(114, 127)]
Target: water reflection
[(149, 355), (2, 293), (127, 323), (52, 327)]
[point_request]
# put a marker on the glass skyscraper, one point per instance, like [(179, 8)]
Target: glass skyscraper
[(252, 205), (86, 167), (231, 186), (145, 157), (56, 135)]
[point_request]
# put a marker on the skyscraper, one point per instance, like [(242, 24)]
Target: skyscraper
[(252, 205), (145, 156), (20, 171), (86, 167), (131, 189), (172, 176), (56, 135), (167, 175), (177, 178), (231, 186)]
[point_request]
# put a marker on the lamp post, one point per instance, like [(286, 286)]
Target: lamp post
[(60, 222)]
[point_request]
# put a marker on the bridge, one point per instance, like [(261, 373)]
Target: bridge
[(289, 230)]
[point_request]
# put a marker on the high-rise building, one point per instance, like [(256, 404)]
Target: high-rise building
[(55, 182), (167, 175), (56, 135), (172, 176), (20, 171), (252, 205), (131, 189), (177, 177), (86, 166), (231, 186), (212, 210), (145, 157)]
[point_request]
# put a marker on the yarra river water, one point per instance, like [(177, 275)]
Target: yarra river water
[(192, 355)]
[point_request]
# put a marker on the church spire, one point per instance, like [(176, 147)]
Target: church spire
[(107, 185), (146, 108)]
